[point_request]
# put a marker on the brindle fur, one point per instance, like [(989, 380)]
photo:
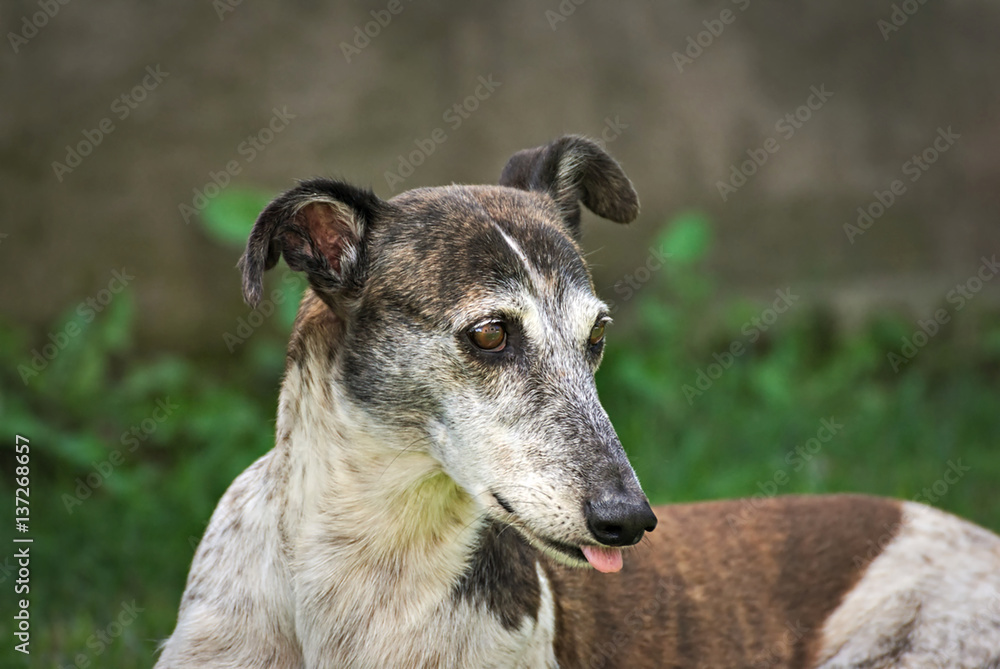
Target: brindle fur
[(407, 514)]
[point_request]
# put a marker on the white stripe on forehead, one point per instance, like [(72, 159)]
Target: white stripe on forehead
[(535, 276), (535, 314)]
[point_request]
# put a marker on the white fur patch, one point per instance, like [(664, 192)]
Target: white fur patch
[(542, 651), (517, 250), (930, 599)]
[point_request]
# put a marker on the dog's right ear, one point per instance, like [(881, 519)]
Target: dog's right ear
[(574, 169), (319, 228)]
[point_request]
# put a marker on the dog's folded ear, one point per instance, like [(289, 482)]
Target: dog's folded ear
[(319, 228), (572, 170)]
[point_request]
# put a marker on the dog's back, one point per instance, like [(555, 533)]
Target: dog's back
[(824, 581)]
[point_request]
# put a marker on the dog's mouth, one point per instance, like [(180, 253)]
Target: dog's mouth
[(605, 559)]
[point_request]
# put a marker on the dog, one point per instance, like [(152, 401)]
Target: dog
[(446, 489)]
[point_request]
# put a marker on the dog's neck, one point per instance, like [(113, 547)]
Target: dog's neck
[(370, 518), (385, 497), (340, 467)]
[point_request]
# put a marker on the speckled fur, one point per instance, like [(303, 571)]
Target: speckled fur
[(418, 504)]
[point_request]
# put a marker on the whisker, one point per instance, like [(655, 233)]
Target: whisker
[(533, 489), (403, 450), (478, 519)]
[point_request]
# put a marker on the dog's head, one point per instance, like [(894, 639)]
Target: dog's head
[(468, 324)]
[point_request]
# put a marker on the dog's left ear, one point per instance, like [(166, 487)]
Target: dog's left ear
[(574, 169), (319, 227)]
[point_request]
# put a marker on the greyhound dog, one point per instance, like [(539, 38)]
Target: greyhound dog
[(447, 491)]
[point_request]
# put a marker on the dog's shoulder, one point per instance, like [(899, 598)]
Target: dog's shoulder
[(239, 581)]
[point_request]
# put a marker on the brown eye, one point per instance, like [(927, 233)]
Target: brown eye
[(489, 336), (597, 334)]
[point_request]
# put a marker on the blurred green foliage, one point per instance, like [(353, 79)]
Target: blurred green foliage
[(229, 217), (110, 530), (711, 401)]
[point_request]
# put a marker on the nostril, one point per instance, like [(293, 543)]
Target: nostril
[(619, 521), (606, 533)]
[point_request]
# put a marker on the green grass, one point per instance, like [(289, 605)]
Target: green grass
[(132, 537)]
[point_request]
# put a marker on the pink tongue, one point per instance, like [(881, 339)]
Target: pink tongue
[(605, 560)]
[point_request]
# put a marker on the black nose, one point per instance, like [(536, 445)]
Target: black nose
[(619, 520)]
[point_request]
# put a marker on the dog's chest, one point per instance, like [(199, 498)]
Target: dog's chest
[(459, 636), (492, 609)]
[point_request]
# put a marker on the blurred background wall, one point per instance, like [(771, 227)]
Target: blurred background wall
[(681, 92), (841, 158)]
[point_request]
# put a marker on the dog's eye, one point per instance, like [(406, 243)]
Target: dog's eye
[(489, 336), (597, 334)]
